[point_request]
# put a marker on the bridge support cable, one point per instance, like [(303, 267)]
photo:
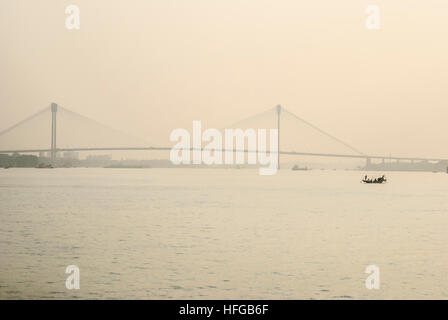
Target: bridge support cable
[(322, 131), (99, 124), (24, 121), (251, 118)]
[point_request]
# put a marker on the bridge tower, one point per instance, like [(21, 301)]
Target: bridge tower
[(54, 110), (279, 109)]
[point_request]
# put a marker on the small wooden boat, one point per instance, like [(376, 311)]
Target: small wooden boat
[(44, 166), (379, 180), (297, 168)]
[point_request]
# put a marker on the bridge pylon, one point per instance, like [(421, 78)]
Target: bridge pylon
[(54, 110), (279, 110)]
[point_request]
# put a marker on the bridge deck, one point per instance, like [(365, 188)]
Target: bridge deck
[(330, 155)]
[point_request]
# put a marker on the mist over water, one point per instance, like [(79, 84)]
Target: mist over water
[(221, 233), (148, 67)]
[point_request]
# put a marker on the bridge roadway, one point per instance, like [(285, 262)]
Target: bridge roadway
[(330, 155)]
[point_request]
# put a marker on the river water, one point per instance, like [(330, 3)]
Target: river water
[(221, 234)]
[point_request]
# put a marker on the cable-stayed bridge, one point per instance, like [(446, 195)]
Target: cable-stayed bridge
[(57, 129)]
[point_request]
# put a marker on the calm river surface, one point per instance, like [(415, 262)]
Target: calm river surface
[(221, 233)]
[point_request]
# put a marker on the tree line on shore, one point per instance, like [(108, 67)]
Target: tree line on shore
[(18, 161)]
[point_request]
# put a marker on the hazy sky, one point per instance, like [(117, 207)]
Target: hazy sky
[(147, 67)]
